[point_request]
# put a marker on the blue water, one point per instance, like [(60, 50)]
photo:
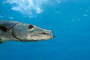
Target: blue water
[(69, 20)]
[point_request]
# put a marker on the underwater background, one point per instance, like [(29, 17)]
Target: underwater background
[(68, 19)]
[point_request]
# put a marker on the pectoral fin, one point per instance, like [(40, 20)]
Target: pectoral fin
[(4, 28), (2, 42)]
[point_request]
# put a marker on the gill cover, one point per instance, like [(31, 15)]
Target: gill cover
[(20, 31)]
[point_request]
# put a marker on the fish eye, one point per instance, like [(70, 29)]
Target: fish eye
[(30, 26)]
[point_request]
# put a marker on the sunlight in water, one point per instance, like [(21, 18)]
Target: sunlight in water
[(29, 7)]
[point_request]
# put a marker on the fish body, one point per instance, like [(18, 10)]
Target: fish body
[(17, 31)]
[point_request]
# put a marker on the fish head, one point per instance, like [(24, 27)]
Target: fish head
[(29, 32)]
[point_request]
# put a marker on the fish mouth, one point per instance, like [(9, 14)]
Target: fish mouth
[(45, 34)]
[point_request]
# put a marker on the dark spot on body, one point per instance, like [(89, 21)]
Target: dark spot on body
[(3, 28)]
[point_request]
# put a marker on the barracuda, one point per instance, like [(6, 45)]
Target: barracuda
[(17, 31)]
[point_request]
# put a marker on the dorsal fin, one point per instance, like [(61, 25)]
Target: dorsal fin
[(4, 28)]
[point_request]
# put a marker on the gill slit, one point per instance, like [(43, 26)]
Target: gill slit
[(13, 33)]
